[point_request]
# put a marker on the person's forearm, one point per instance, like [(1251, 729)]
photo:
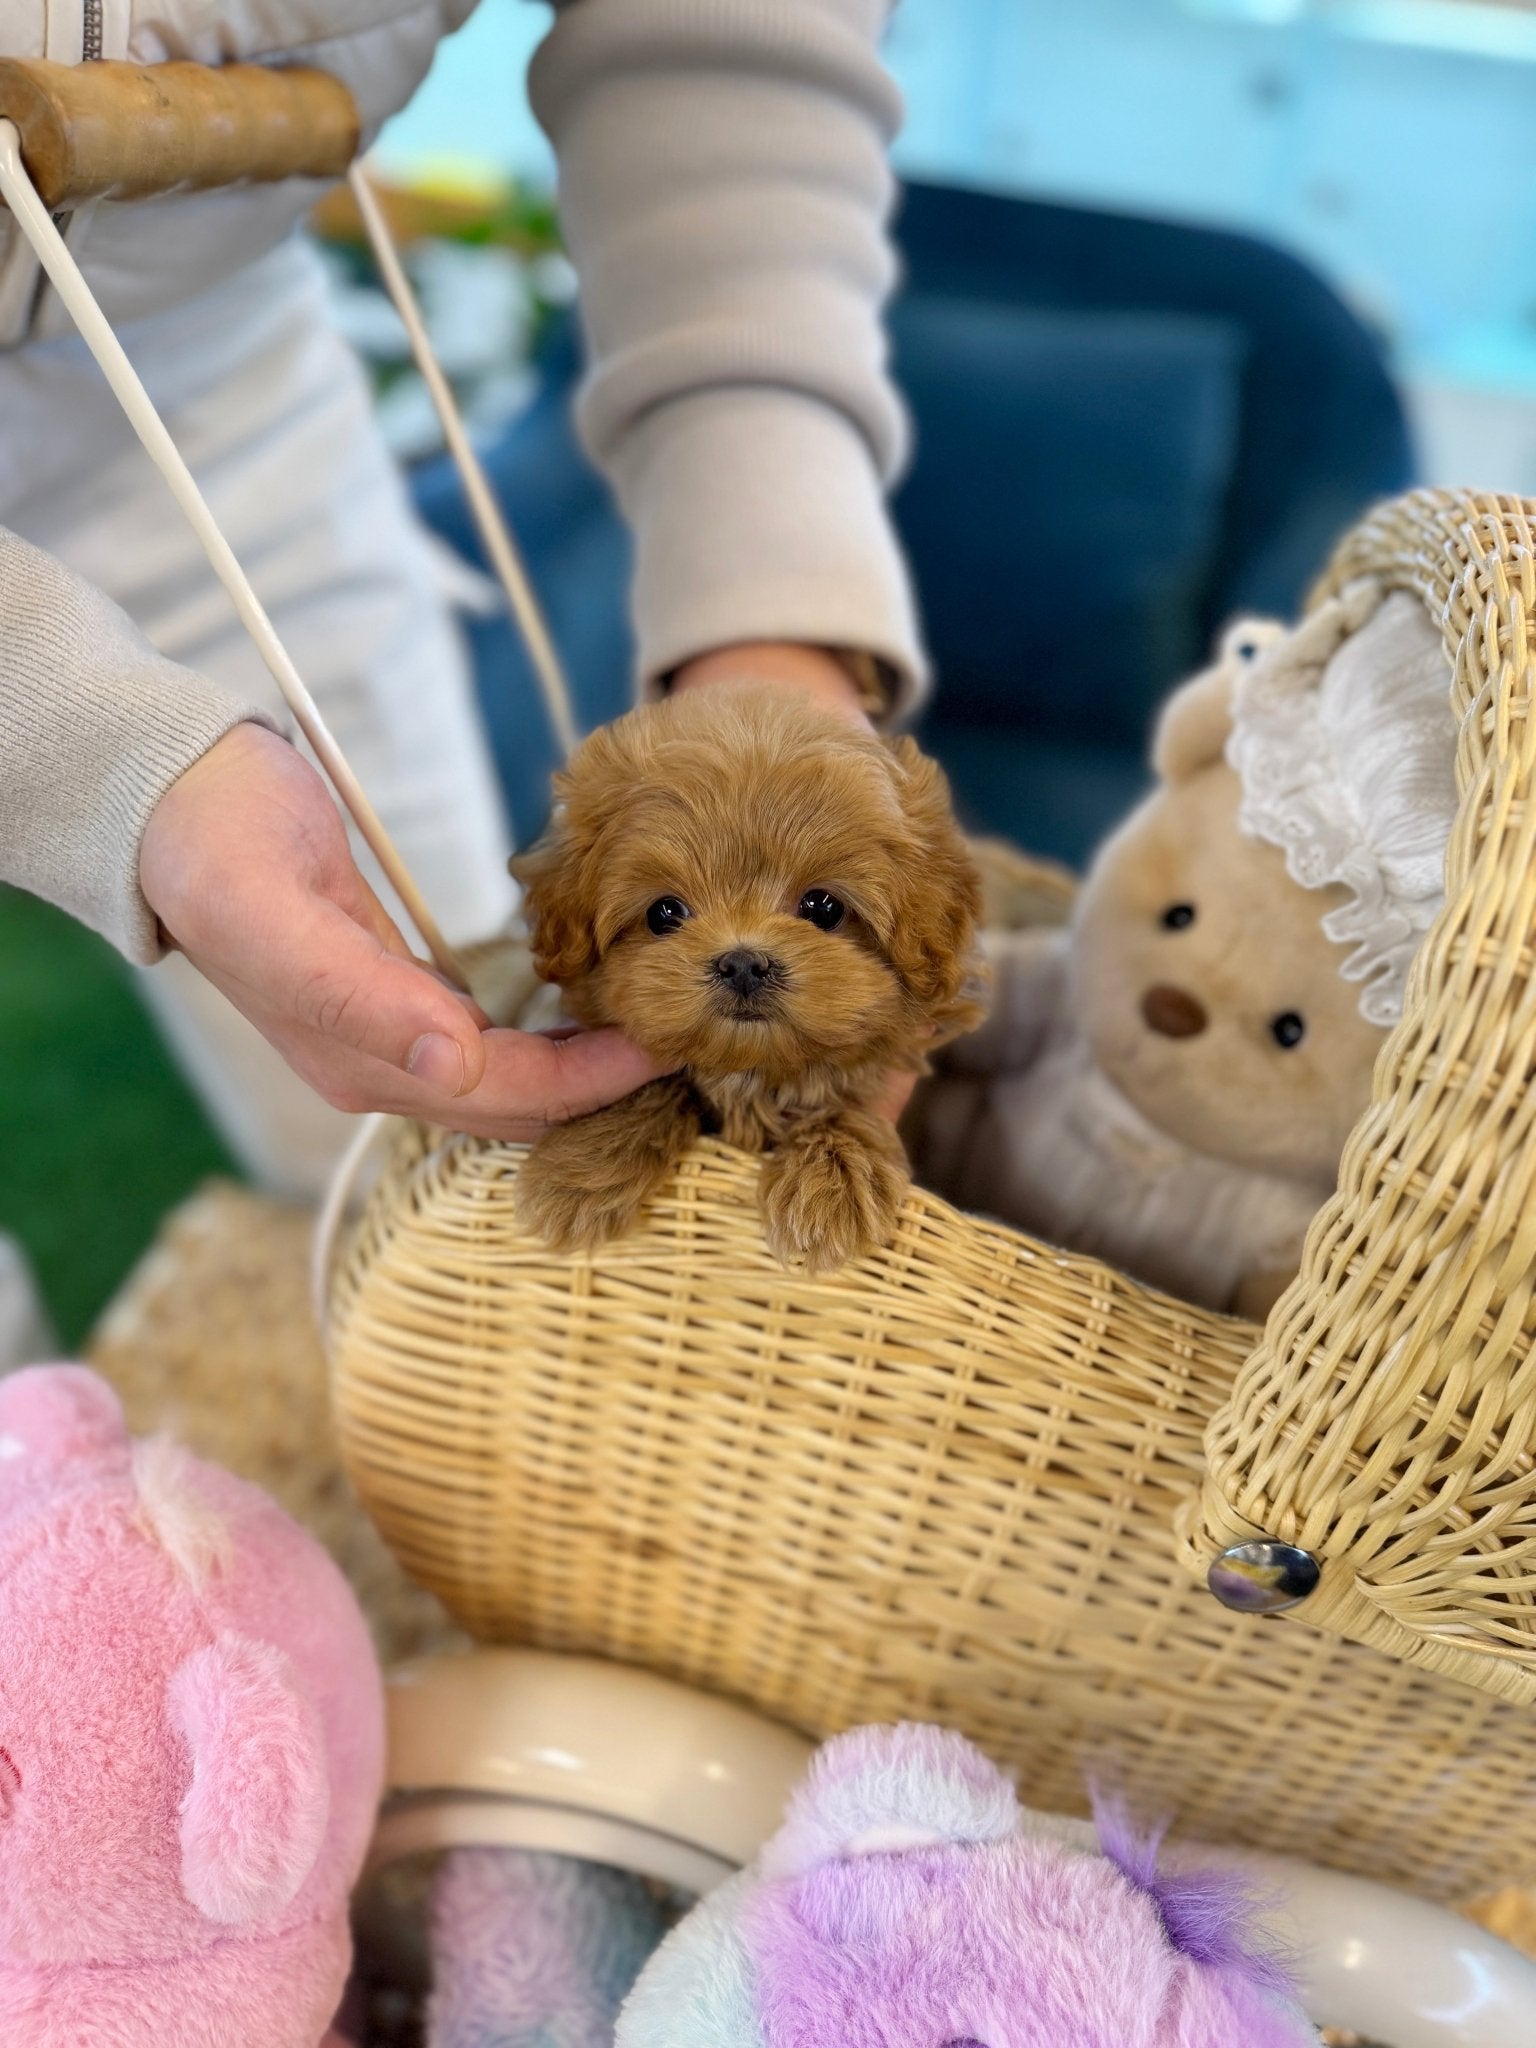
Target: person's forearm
[(724, 191), (95, 726), (810, 670)]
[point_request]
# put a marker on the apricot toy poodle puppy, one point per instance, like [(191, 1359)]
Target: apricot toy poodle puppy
[(776, 904)]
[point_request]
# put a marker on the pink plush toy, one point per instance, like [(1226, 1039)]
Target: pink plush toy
[(191, 1742)]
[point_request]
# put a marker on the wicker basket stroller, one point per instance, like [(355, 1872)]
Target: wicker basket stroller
[(946, 1482)]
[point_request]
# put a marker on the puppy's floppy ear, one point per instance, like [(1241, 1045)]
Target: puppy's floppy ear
[(937, 897), (559, 879), (562, 874)]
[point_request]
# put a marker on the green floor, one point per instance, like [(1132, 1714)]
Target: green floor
[(98, 1136)]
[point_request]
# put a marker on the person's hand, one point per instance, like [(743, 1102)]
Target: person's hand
[(245, 863), (812, 672)]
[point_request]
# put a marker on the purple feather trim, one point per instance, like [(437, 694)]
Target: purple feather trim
[(1210, 1914)]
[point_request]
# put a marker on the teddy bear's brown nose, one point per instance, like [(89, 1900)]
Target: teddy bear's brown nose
[(1173, 1012)]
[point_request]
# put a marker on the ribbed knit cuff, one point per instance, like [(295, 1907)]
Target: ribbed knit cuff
[(200, 714), (758, 515), (95, 726)]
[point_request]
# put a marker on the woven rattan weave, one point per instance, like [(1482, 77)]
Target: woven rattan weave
[(1387, 1421), (945, 1482)]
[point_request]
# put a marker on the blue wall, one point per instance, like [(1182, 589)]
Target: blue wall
[(1399, 168), (473, 110)]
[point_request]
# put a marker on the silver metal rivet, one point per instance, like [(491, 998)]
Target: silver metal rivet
[(1263, 1577)]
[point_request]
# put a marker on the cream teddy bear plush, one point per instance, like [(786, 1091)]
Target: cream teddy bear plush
[(1168, 1082)]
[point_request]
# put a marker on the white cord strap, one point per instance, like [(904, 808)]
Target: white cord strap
[(341, 1197), (64, 273), (494, 531)]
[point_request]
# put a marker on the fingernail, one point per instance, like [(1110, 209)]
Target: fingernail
[(438, 1061)]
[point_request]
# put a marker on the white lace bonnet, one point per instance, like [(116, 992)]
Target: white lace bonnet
[(1345, 743)]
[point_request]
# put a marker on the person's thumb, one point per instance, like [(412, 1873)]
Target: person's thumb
[(555, 1078), (355, 992)]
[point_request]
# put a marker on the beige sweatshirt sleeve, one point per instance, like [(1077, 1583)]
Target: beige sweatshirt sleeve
[(95, 726), (724, 189)]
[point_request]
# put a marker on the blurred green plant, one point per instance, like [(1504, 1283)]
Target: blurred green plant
[(99, 1135), (490, 273)]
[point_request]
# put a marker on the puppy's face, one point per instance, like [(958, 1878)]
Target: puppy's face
[(745, 883)]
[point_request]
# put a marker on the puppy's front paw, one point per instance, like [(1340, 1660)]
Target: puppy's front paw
[(833, 1193), (558, 1199), (587, 1181)]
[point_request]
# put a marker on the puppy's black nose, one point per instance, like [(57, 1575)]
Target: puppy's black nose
[(747, 973)]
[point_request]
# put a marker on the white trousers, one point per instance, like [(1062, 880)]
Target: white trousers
[(272, 412)]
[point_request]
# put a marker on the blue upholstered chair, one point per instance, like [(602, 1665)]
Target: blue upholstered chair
[(1126, 429)]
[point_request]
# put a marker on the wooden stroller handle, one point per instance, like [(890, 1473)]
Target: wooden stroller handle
[(129, 131)]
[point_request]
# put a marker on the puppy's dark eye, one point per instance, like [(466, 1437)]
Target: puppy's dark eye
[(666, 914), (1288, 1030), (822, 909), (1178, 917)]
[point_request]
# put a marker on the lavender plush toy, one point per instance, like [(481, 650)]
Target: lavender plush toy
[(910, 1902)]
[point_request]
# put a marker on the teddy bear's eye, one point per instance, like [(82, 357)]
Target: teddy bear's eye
[(1178, 917), (666, 914), (821, 909), (1288, 1030)]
